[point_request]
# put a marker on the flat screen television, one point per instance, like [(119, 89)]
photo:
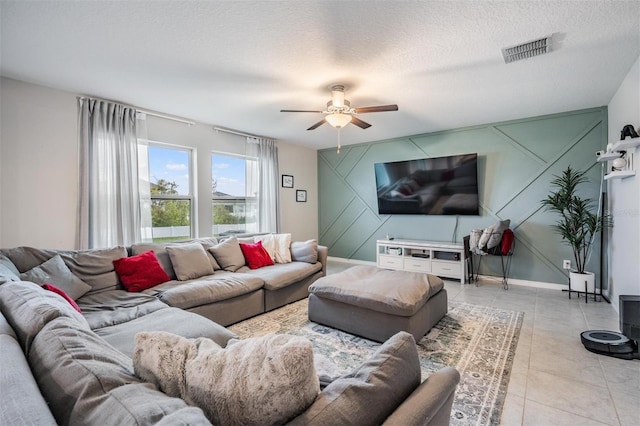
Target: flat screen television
[(431, 186)]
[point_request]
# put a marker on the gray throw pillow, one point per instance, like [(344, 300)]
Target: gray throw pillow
[(373, 391), (8, 264), (498, 230), (304, 251), (228, 254), (189, 261), (8, 271), (55, 272)]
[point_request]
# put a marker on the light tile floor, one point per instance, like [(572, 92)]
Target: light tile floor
[(555, 380)]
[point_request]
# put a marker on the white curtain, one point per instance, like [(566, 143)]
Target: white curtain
[(109, 205), (266, 151), (144, 182)]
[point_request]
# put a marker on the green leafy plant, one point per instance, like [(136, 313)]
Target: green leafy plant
[(578, 223)]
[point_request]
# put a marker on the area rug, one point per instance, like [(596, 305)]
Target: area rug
[(479, 341)]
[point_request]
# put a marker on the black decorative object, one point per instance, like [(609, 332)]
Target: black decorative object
[(628, 132)]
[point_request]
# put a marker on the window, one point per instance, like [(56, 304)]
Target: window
[(234, 182), (170, 180)]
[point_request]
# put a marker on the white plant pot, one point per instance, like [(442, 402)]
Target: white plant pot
[(583, 282)]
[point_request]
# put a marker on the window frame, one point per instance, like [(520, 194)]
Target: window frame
[(246, 198), (192, 197)]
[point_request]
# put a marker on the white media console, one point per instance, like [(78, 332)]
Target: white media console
[(431, 257)]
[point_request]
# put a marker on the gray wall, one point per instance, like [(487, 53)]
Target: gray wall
[(516, 162)]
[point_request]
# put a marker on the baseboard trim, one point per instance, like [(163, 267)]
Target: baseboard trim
[(512, 281), (526, 283), (352, 261)]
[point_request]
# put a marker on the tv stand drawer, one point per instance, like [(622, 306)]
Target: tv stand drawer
[(391, 262), (417, 265), (446, 269)]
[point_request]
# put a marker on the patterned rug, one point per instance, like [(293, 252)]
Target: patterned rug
[(479, 341)]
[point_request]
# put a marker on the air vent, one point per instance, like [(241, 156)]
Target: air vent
[(527, 50)]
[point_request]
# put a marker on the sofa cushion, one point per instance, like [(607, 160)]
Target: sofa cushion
[(55, 272), (228, 254), (94, 266), (172, 320), (87, 381), (282, 275), (140, 272), (371, 393), (304, 251), (220, 286), (189, 261), (391, 292), (264, 380), (28, 308), (22, 402), (62, 294), (112, 307), (255, 255)]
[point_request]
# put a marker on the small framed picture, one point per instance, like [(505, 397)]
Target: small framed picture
[(287, 181), (301, 196)]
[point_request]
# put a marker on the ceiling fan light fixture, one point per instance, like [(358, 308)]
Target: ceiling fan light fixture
[(338, 98), (338, 120)]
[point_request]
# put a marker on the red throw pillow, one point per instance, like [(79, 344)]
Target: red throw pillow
[(507, 241), (140, 272), (255, 255), (66, 297)]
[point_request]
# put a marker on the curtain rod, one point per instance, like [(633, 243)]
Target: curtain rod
[(235, 132), (144, 111), (167, 117)]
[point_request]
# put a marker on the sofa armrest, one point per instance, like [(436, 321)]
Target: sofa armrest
[(323, 252), (430, 403)]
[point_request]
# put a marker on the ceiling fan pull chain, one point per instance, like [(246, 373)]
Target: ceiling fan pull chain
[(339, 132)]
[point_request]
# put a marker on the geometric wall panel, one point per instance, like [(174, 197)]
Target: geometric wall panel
[(516, 162)]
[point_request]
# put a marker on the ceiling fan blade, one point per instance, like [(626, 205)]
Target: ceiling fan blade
[(297, 110), (380, 108), (359, 123), (318, 124)]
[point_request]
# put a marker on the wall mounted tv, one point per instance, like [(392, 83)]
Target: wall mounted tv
[(431, 186)]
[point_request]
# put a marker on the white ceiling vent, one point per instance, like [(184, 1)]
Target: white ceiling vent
[(527, 50)]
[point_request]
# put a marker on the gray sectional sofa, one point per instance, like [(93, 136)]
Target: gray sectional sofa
[(61, 366)]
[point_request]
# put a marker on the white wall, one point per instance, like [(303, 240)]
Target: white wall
[(38, 166), (300, 219), (39, 179), (624, 194)]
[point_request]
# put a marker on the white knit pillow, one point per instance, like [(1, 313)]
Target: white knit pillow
[(263, 380), (269, 244), (283, 250)]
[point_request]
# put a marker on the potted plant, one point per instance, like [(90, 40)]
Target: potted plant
[(577, 225)]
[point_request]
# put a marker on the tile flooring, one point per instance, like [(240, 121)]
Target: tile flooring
[(555, 381)]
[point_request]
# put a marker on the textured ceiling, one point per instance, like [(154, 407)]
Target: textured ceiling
[(236, 64)]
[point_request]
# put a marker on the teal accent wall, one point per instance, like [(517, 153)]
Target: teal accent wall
[(517, 160)]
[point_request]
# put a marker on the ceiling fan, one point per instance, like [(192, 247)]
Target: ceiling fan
[(339, 112)]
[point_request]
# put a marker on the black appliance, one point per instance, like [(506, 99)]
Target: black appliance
[(430, 186), (622, 345)]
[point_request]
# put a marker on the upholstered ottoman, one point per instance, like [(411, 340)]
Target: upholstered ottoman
[(377, 303)]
